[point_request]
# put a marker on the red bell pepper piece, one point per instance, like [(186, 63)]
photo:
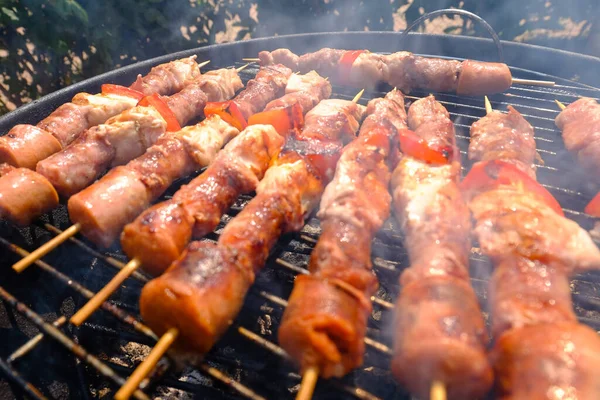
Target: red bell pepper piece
[(163, 109), (346, 62), (228, 111), (282, 119), (488, 175), (593, 207), (109, 88), (413, 146)]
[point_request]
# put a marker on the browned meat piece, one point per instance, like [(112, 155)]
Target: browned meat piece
[(399, 70), (279, 56), (580, 126), (237, 169), (440, 335), (548, 361), (324, 61), (333, 340), (128, 135), (478, 78), (168, 78), (24, 195), (307, 89), (198, 293), (333, 119), (504, 136), (368, 70), (16, 146), (434, 74), (269, 84)]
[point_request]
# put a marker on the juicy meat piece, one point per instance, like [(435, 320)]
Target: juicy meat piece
[(368, 70), (268, 84), (504, 136), (324, 325), (548, 361), (198, 294), (121, 139), (580, 126), (513, 221), (526, 292), (199, 205), (17, 148), (478, 78), (332, 119), (325, 62), (168, 78), (385, 113), (440, 336), (431, 122), (434, 74), (24, 195), (307, 89), (279, 56), (96, 108)]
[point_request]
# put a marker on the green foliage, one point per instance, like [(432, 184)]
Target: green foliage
[(48, 44)]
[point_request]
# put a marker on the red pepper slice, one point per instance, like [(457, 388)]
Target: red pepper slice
[(282, 119), (109, 88), (346, 62), (163, 109), (487, 175), (228, 111), (593, 207), (413, 146)]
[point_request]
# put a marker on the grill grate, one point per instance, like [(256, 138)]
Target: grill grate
[(117, 340)]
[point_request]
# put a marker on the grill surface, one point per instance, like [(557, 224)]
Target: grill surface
[(57, 373)]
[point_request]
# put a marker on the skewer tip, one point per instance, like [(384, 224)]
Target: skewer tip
[(438, 391), (358, 96), (307, 386), (560, 105), (243, 67), (202, 64), (147, 365), (488, 105), (46, 248)]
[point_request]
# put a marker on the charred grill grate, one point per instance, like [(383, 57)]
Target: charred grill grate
[(246, 362)]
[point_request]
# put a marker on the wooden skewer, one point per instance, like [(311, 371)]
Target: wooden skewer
[(147, 365), (307, 386), (243, 67), (95, 302), (533, 82), (251, 59), (202, 64), (488, 105), (438, 391), (358, 96), (561, 105), (46, 248)]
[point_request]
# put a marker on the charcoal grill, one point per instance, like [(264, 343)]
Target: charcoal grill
[(93, 360)]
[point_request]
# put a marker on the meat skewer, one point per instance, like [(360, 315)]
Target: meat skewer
[(324, 325), (215, 189), (287, 193), (440, 335), (404, 70), (126, 137), (540, 351), (579, 125), (25, 145)]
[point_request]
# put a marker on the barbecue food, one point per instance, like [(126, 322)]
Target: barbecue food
[(25, 145), (160, 234), (440, 335), (325, 322), (128, 135), (35, 194), (404, 70), (540, 351), (204, 289), (144, 179)]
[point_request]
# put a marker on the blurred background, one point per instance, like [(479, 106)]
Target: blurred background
[(49, 44)]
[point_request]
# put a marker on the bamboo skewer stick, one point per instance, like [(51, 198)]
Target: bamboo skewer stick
[(202, 64), (488, 105), (438, 391), (358, 96), (251, 59), (559, 104), (46, 248), (95, 302), (147, 365), (243, 67), (307, 386)]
